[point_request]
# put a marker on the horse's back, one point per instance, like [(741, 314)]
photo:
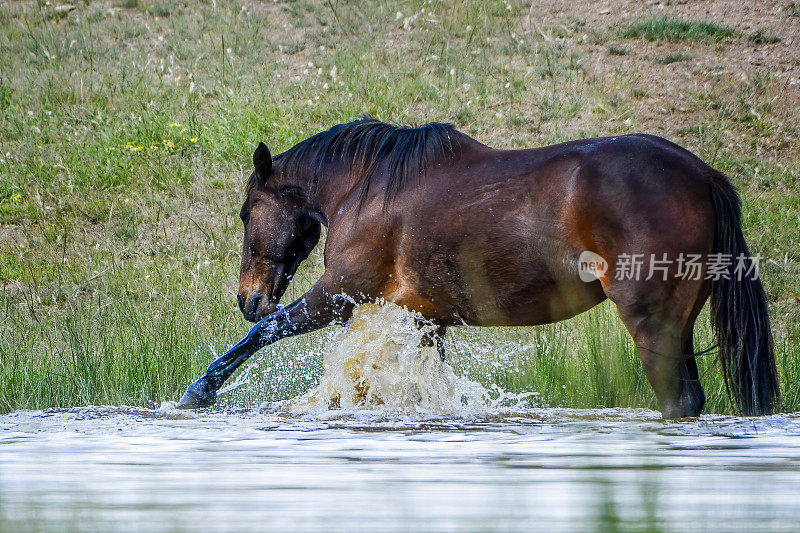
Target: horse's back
[(494, 236)]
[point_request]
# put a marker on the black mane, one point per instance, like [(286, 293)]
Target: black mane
[(374, 152)]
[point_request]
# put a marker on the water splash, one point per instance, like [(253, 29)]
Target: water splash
[(379, 362)]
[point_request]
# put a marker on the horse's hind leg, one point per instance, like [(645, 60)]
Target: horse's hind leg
[(692, 394), (661, 324), (668, 363), (433, 337), (440, 332)]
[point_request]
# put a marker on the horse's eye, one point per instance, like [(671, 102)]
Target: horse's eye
[(243, 214)]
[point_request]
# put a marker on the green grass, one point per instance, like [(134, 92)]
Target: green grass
[(762, 36), (126, 135), (617, 50), (674, 58), (669, 29)]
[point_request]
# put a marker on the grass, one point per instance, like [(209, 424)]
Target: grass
[(762, 36), (669, 29), (674, 58), (617, 50), (126, 135)]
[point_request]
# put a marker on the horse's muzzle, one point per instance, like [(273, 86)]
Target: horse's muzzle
[(250, 306), (256, 307)]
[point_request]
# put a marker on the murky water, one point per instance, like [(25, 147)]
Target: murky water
[(392, 439)]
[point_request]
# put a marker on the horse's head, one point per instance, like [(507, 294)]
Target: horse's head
[(279, 233)]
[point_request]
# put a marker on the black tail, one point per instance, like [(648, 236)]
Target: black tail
[(739, 313)]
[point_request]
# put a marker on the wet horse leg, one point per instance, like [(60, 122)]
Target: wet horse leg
[(660, 316), (693, 396), (440, 333), (312, 311), (661, 353), (432, 336), (664, 342)]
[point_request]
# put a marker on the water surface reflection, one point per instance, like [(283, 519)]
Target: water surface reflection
[(132, 469)]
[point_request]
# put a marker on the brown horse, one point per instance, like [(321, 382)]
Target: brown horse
[(435, 221)]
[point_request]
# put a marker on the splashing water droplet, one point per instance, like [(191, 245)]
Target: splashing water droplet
[(378, 362), (377, 366)]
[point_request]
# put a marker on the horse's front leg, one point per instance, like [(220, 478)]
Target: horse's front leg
[(314, 310)]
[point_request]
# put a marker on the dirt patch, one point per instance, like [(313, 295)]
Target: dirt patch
[(671, 74)]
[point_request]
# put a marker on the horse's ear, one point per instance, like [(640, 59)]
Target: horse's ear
[(262, 160)]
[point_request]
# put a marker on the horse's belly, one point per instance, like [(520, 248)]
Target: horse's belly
[(521, 297), (512, 269), (540, 305)]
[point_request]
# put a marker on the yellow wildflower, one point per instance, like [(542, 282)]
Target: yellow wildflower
[(175, 125), (16, 198), (168, 143), (194, 139)]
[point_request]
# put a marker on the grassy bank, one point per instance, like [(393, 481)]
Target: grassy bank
[(126, 131)]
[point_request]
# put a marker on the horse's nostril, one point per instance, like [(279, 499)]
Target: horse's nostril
[(249, 306), (256, 302)]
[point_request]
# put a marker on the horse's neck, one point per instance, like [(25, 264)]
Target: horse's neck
[(334, 182), (329, 187)]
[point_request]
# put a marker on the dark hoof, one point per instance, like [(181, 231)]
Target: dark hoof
[(681, 411), (199, 394)]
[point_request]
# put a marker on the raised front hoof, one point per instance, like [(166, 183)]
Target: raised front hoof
[(198, 395)]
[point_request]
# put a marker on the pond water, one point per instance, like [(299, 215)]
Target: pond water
[(392, 439), (134, 469)]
